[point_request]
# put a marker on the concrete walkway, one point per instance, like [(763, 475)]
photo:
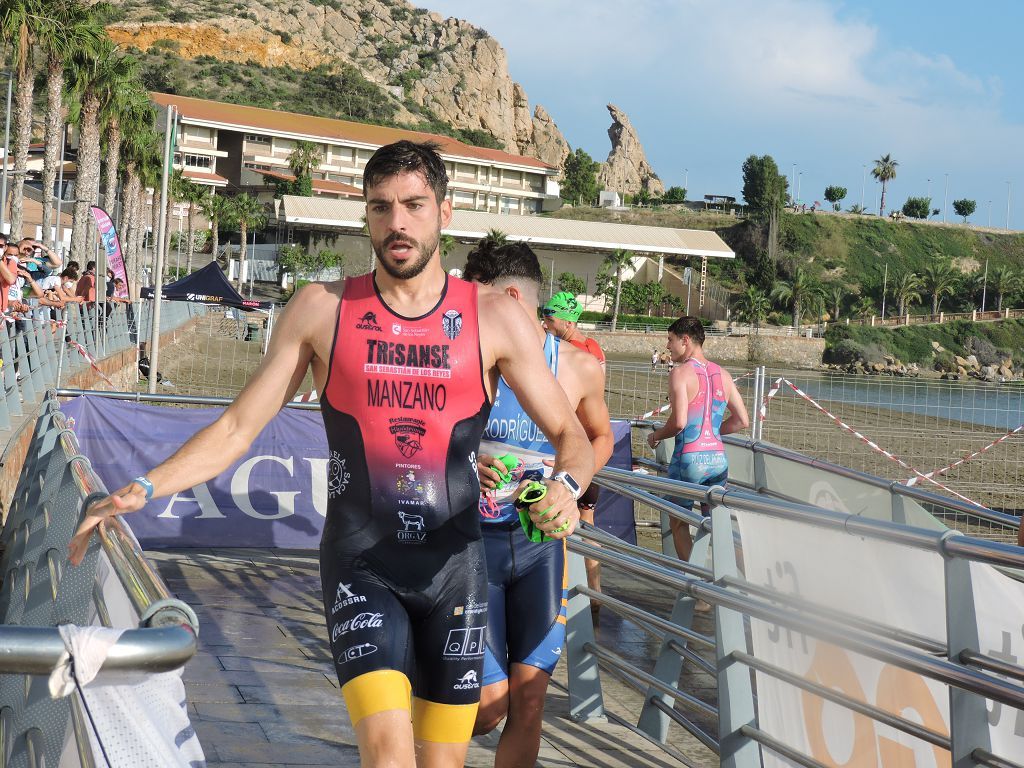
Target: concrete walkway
[(262, 690)]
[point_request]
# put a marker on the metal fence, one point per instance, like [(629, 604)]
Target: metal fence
[(113, 587), (966, 437), (739, 728)]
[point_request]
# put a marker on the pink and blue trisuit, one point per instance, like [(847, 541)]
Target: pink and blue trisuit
[(699, 455)]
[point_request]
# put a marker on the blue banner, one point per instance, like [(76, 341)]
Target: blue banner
[(275, 496)]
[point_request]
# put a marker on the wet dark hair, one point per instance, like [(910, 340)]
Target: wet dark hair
[(688, 325), (488, 263), (407, 157)]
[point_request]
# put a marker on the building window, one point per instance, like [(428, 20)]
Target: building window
[(255, 138), (198, 161)]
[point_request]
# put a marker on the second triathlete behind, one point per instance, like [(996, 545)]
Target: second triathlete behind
[(527, 580)]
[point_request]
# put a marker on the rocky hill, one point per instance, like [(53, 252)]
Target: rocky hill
[(430, 69), (382, 61)]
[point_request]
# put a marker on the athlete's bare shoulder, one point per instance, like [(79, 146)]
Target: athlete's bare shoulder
[(579, 373), (503, 322)]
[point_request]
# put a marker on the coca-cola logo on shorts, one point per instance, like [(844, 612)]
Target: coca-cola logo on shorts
[(359, 621)]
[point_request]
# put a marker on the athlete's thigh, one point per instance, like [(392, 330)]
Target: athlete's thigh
[(497, 548), (368, 626), (536, 604), (449, 640)]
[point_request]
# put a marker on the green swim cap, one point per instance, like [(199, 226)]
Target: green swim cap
[(563, 306)]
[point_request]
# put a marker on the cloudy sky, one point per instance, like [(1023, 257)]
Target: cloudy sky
[(824, 85)]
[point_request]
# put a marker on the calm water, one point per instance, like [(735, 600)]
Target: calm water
[(1000, 406)]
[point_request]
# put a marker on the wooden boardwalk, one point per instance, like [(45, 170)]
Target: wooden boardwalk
[(262, 690)]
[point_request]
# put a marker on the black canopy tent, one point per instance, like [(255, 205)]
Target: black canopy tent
[(207, 286)]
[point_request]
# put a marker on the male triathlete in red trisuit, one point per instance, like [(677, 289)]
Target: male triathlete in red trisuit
[(407, 359), (560, 314)]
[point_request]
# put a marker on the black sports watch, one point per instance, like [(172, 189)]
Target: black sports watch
[(569, 482)]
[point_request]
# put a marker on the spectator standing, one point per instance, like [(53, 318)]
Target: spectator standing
[(86, 288), (700, 391)]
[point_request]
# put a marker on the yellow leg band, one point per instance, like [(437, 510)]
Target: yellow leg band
[(375, 692), (443, 723)]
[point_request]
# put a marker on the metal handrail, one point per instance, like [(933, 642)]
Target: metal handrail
[(144, 397), (949, 543), (150, 597), (918, 494), (847, 637), (37, 650)]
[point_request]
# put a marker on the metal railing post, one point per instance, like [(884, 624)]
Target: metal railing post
[(12, 393), (968, 714), (735, 695), (653, 720), (35, 371), (586, 702)]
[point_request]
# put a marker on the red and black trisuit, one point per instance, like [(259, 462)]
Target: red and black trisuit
[(401, 559)]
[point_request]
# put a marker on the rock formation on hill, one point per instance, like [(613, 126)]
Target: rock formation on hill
[(626, 170), (448, 66)]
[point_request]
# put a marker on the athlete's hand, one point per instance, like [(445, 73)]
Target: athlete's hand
[(556, 509), (651, 441), (489, 478), (128, 499)]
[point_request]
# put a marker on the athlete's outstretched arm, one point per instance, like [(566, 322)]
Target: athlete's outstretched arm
[(679, 402), (738, 418), (214, 448), (509, 342)]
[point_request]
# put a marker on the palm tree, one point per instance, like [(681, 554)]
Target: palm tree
[(864, 307), (139, 150), (906, 289), (246, 212), (753, 307), (17, 29), (494, 239), (1004, 281), (122, 101), (303, 160), (939, 280), (836, 294), (94, 76), (215, 209), (64, 28), (798, 292), (193, 194), (618, 261), (884, 171)]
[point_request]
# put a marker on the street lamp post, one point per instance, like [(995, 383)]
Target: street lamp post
[(929, 191), (686, 178), (1008, 186), (792, 183), (799, 178), (863, 181), (945, 198)]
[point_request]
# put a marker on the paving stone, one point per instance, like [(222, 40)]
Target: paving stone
[(262, 690)]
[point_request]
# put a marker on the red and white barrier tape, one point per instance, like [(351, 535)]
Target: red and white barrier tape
[(967, 458), (305, 397), (91, 360), (875, 446), (771, 393)]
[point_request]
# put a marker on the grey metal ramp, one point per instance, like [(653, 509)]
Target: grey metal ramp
[(262, 689)]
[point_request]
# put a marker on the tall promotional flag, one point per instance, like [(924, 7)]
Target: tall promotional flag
[(112, 245)]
